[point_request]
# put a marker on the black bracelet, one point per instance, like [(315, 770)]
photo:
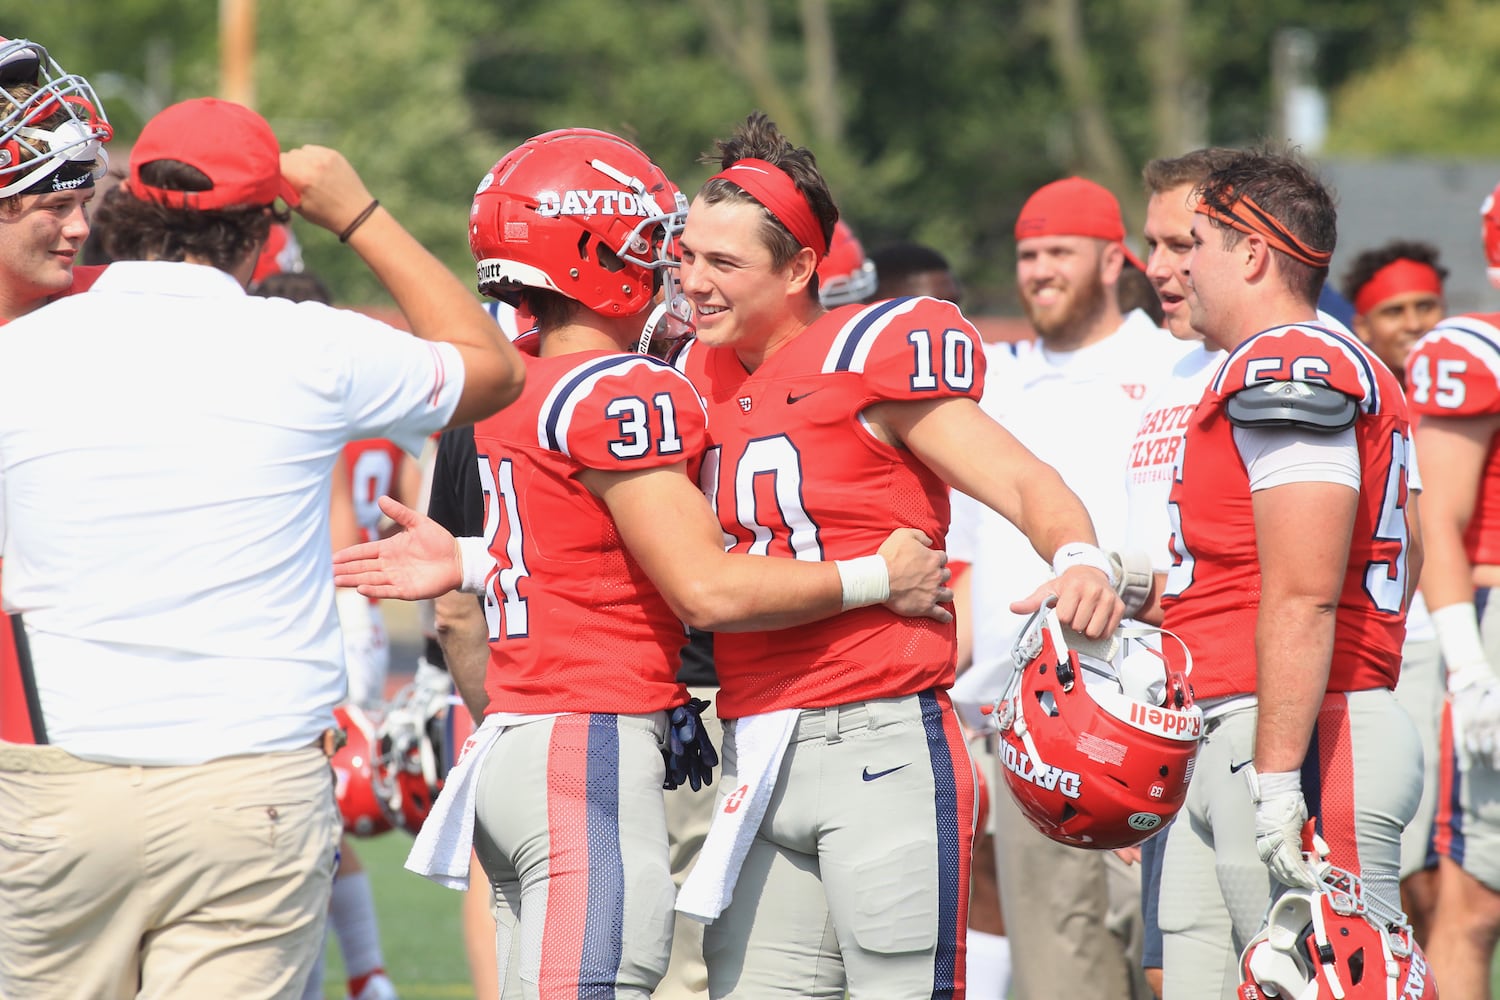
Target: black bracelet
[(359, 220)]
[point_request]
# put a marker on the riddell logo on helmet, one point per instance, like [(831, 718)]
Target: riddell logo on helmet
[(1054, 779), (1163, 722), (607, 202)]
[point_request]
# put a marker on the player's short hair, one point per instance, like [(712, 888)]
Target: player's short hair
[(1286, 189), (1364, 266), (1168, 172), (129, 228), (297, 286), (757, 137)]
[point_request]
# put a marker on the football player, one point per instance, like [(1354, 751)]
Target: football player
[(1294, 550), (1456, 393), (585, 592), (823, 425), (1397, 293), (52, 131)]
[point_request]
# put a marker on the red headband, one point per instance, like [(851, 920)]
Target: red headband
[(1248, 217), (1400, 276), (775, 189)]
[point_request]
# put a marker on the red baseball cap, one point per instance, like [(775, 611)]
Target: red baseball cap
[(231, 144), (1074, 206)]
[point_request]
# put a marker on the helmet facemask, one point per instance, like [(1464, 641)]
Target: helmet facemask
[(34, 90)]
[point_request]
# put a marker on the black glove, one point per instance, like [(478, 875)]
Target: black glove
[(689, 754)]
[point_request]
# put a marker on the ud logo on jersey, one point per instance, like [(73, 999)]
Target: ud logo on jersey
[(1045, 776), (744, 404), (600, 202)]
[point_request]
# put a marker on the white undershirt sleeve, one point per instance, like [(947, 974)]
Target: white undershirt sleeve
[(1275, 456)]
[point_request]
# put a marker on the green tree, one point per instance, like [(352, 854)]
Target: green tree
[(1436, 97)]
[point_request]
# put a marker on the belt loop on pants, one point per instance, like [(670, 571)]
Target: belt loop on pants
[(831, 723)]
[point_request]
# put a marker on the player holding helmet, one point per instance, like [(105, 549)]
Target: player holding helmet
[(822, 425), (562, 783), (1293, 559)]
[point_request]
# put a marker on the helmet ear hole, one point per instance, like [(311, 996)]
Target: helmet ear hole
[(608, 259), (1048, 703), (1357, 967)]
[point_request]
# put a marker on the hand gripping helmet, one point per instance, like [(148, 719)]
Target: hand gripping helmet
[(845, 274), (420, 738), (355, 775), (52, 126), (1098, 739), (583, 213), (1489, 233), (1335, 943)]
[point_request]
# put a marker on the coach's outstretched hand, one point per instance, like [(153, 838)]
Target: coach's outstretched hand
[(422, 560)]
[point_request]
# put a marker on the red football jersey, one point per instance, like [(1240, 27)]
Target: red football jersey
[(18, 724), (1454, 371), (575, 624), (792, 472), (1213, 588), (373, 466)]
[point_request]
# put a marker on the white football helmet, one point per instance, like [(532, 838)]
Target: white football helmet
[(52, 126)]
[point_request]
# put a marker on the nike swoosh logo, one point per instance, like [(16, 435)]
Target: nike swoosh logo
[(881, 774), (1236, 768), (790, 399)]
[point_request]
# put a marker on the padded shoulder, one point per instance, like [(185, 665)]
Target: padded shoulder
[(913, 348), (1292, 404)]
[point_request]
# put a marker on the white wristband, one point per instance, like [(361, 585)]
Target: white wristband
[(866, 581), (478, 564), (1463, 650), (1082, 554)]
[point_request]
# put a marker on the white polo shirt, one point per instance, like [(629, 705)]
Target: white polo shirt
[(1078, 411), (166, 448)]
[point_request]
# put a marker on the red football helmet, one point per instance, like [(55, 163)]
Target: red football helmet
[(356, 778), (420, 738), (845, 275), (33, 90), (583, 213), (1334, 943), (1489, 233), (1098, 740)]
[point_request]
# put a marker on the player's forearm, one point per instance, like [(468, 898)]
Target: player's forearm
[(464, 637), (1051, 515), (1447, 576), (440, 308), (1294, 637), (740, 593)]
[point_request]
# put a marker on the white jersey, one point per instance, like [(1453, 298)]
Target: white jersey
[(166, 448), (1156, 449), (1078, 411)]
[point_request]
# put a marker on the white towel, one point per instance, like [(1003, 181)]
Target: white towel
[(760, 741), (443, 846)]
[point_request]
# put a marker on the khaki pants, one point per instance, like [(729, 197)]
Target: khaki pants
[(210, 880), (1073, 916)]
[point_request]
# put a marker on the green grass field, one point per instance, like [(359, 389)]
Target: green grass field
[(419, 928)]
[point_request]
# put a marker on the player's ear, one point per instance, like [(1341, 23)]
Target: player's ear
[(800, 270)]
